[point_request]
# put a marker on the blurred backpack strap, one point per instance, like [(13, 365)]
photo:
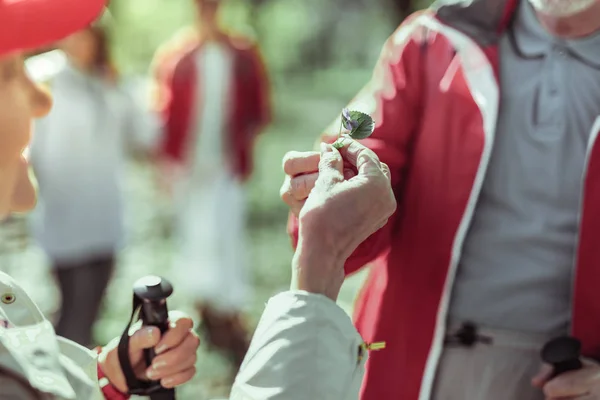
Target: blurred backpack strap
[(15, 386)]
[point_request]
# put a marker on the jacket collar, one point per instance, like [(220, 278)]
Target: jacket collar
[(483, 20), (486, 20)]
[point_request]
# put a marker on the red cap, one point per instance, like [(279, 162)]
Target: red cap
[(29, 24)]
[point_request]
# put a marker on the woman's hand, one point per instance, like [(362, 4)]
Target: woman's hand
[(175, 360)]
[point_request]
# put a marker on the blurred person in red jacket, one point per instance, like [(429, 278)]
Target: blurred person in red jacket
[(487, 113), (212, 88)]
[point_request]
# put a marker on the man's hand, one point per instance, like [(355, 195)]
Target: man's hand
[(341, 211), (175, 360), (301, 172), (583, 384)]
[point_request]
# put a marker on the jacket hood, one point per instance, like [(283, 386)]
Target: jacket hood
[(483, 20)]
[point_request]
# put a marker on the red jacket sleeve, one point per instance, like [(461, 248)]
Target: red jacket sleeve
[(177, 110), (261, 91), (163, 64), (392, 98)]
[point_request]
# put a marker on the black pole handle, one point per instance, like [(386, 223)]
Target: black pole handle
[(563, 353), (153, 292), (154, 313)]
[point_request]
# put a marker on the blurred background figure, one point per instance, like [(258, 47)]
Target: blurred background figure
[(215, 100), (78, 158)]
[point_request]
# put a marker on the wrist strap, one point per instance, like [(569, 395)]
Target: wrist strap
[(135, 386)]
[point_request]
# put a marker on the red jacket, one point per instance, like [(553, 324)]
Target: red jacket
[(434, 96), (249, 111)]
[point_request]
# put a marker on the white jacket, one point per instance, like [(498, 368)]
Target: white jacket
[(30, 348), (304, 348)]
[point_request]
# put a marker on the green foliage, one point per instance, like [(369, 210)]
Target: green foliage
[(286, 30)]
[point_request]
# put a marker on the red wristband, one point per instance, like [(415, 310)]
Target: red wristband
[(109, 391)]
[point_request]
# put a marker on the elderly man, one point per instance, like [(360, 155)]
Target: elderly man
[(487, 115), (305, 346)]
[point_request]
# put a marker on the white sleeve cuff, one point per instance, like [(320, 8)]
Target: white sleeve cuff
[(305, 347)]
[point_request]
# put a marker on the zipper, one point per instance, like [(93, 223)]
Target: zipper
[(365, 347), (590, 146), (353, 385)]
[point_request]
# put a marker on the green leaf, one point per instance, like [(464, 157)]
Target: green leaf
[(362, 125)]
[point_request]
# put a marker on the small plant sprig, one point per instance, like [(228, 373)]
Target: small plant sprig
[(357, 124)]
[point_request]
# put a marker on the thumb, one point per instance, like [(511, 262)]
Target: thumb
[(543, 376), (144, 338), (331, 165)]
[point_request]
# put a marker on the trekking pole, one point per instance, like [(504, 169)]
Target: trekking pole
[(150, 298), (563, 354)]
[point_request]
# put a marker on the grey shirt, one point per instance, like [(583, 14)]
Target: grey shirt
[(517, 264)]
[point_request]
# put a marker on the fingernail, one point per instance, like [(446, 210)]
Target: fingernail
[(167, 382), (152, 372), (149, 332), (161, 349)]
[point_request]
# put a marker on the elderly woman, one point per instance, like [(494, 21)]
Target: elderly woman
[(30, 352)]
